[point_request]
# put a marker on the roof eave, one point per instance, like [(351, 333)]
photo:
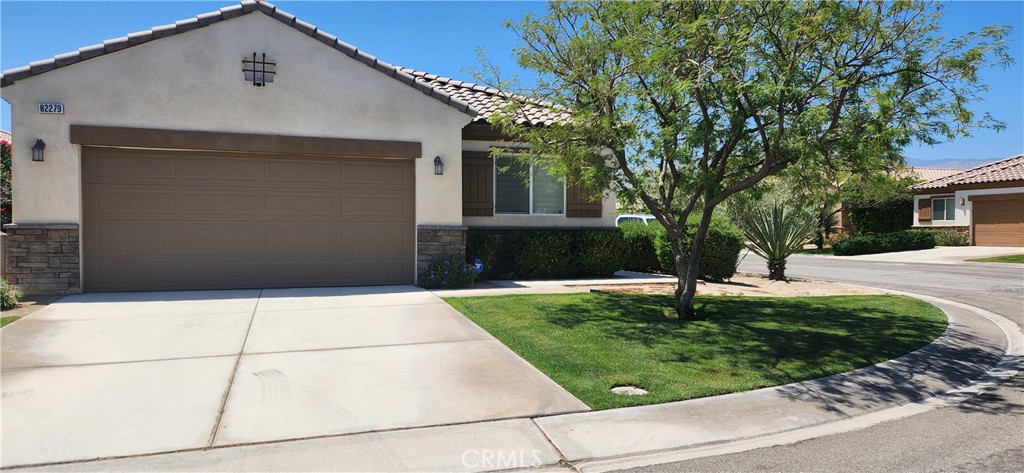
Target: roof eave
[(12, 76)]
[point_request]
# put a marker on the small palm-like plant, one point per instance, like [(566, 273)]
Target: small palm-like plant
[(775, 232)]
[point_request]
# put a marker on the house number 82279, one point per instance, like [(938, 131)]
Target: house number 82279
[(57, 108)]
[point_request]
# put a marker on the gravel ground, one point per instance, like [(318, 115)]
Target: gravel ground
[(749, 284)]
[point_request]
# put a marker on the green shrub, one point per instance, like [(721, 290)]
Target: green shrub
[(885, 217), (447, 274), (484, 247), (597, 252), (904, 240), (542, 254), (719, 256), (640, 253), (9, 295), (950, 238)]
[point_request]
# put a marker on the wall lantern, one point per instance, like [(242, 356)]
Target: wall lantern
[(962, 201), (37, 150), (438, 166)]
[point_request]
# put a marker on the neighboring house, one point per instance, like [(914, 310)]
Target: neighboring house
[(918, 174), (245, 148), (986, 202)]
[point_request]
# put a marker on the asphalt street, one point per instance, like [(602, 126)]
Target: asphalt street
[(985, 433)]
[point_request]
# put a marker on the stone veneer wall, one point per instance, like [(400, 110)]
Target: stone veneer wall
[(43, 258), (437, 242)]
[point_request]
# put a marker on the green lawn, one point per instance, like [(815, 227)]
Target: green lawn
[(6, 320), (591, 342), (1001, 259)]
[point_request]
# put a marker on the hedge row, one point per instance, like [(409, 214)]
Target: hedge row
[(904, 240), (548, 254), (649, 249), (886, 217)]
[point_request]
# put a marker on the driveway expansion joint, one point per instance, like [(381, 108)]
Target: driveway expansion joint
[(234, 373)]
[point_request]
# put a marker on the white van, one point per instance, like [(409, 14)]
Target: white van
[(645, 219)]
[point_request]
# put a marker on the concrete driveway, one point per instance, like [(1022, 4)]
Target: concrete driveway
[(105, 375)]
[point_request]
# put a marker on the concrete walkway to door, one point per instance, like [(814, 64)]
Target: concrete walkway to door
[(108, 375)]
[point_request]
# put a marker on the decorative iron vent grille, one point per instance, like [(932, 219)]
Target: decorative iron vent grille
[(259, 69)]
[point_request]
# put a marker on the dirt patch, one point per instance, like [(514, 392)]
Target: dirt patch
[(745, 284)]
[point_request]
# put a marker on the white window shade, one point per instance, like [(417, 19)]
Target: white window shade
[(548, 193)]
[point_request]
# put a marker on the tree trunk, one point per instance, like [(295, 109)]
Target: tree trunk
[(687, 268), (777, 269)]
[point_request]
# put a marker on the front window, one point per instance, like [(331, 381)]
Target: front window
[(943, 209), (520, 188)]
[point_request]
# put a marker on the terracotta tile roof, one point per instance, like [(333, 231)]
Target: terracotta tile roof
[(248, 6), (1009, 169), (929, 174), (488, 101), (5, 136)]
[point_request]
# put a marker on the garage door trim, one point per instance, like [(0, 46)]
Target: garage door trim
[(89, 135)]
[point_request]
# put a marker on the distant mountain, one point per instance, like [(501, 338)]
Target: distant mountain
[(949, 163)]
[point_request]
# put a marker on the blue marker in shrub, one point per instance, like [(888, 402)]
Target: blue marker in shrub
[(478, 266)]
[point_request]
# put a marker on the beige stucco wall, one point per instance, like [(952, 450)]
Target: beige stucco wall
[(193, 81), (963, 212), (608, 205)]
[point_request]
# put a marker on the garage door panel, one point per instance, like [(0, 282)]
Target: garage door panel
[(376, 174), (376, 269), (221, 272), (376, 205), (132, 239), (217, 238), (118, 166), (119, 274), (300, 171), (237, 221), (323, 205), (305, 237), (116, 202), (378, 238), (225, 169), (301, 271), (220, 203)]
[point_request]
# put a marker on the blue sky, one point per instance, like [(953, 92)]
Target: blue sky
[(442, 37)]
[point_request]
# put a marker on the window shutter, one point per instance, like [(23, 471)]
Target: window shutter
[(924, 209), (582, 203), (477, 184)]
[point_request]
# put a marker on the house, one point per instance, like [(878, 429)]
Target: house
[(246, 148), (919, 174), (986, 202)]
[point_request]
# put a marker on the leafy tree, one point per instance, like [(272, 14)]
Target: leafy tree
[(684, 104), (879, 203), (775, 232)]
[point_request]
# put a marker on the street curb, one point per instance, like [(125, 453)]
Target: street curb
[(1010, 364)]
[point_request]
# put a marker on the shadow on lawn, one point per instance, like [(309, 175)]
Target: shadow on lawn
[(789, 340)]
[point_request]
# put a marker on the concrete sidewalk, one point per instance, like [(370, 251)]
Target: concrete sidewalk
[(978, 347), (937, 255)]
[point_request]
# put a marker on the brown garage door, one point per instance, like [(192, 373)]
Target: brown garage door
[(998, 221), (164, 220)]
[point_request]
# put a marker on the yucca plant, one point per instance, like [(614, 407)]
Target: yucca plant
[(774, 232)]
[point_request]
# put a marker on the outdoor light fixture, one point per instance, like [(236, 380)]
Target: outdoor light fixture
[(962, 201), (438, 166), (37, 150)]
